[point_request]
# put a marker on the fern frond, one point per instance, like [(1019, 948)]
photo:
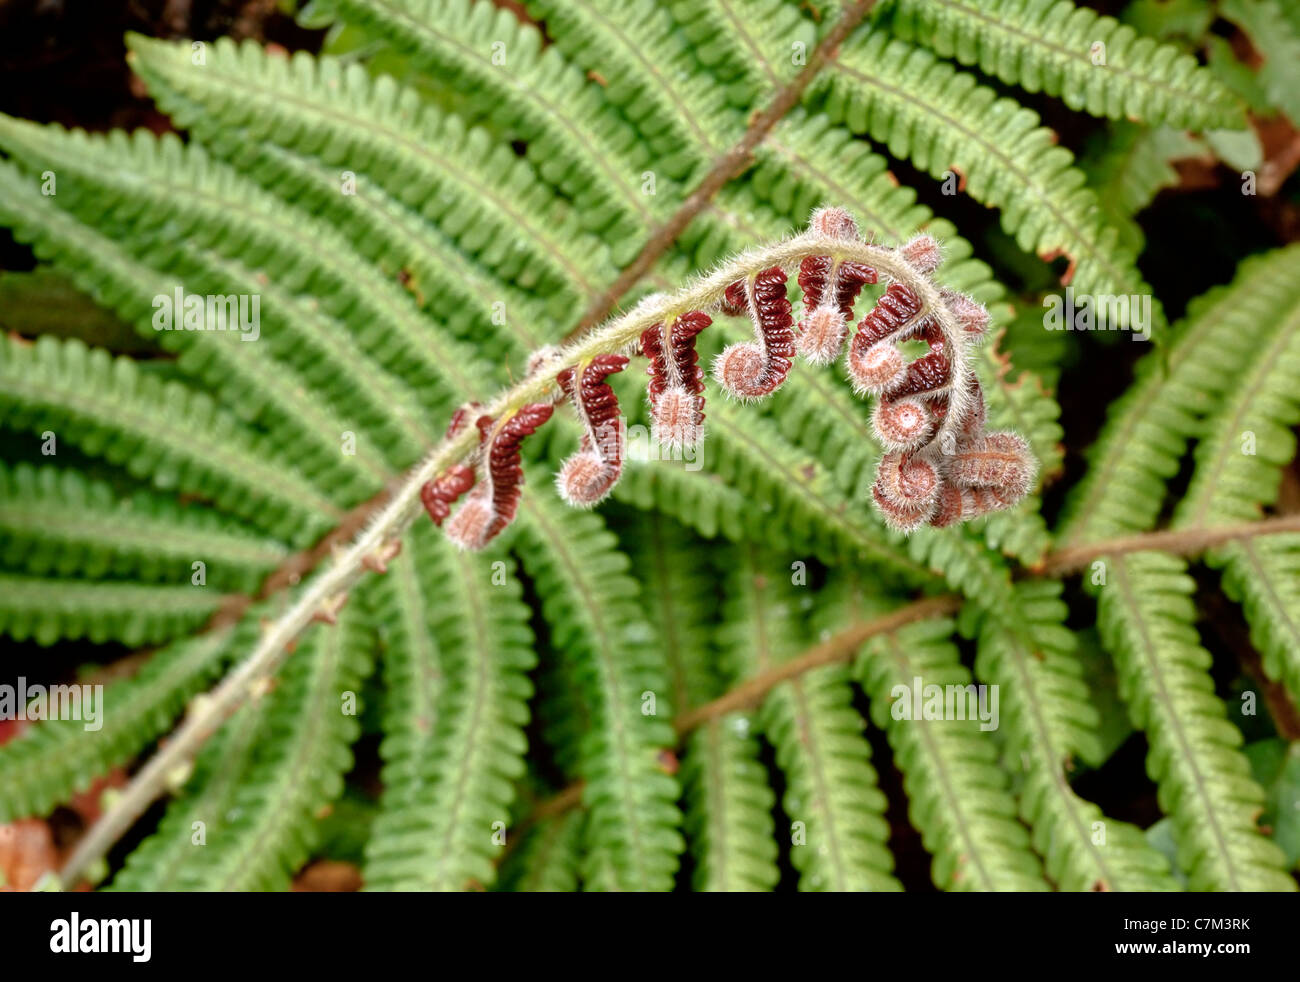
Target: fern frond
[(456, 666), (1247, 440), (164, 859), (467, 300), (1263, 575), (1021, 403), (529, 92), (170, 194), (158, 430), (838, 832), (266, 829), (709, 507), (55, 521), (1048, 721), (51, 761), (808, 160), (1147, 428), (260, 389), (48, 610), (1131, 165), (1277, 38), (1146, 617), (753, 47), (785, 486), (1052, 46), (729, 802), (548, 858), (472, 186), (648, 70), (596, 626), (946, 122), (729, 808), (958, 797)]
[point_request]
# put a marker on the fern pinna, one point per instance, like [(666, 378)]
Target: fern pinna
[(770, 460)]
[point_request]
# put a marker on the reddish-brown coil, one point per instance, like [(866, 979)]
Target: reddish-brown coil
[(676, 380), (757, 369), (846, 280), (588, 475), (493, 504), (442, 492)]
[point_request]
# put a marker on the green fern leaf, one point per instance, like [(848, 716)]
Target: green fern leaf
[(648, 70), (836, 811), (258, 799), (56, 522), (547, 859), (133, 613), (1263, 575), (958, 797), (1147, 619), (529, 92), (946, 123), (55, 759), (160, 430), (1092, 63), (1277, 39), (1147, 428), (1247, 441), (728, 820), (590, 604), (456, 667), (1025, 649)]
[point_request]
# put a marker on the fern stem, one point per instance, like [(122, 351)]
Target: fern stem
[(1182, 542), (729, 165)]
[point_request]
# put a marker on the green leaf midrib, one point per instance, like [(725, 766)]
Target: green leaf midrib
[(1052, 757), (608, 672), (1173, 720), (939, 764)]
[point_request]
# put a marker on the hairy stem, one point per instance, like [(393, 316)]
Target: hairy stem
[(329, 589), (731, 165)]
